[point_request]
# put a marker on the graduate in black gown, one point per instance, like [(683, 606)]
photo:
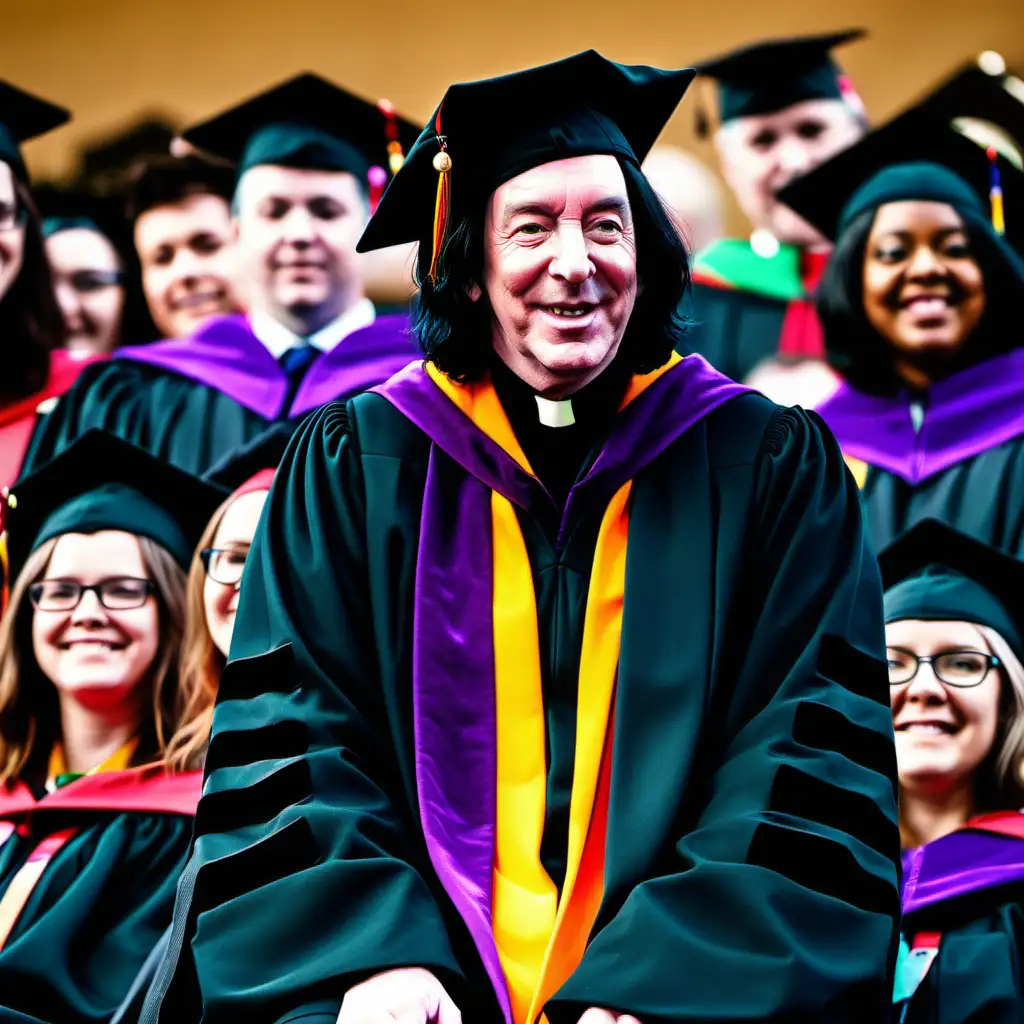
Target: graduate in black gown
[(304, 151), (784, 107), (94, 829), (467, 753), (919, 304), (955, 637)]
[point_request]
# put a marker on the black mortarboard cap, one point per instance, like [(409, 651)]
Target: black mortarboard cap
[(935, 573), (23, 117), (63, 209), (494, 129), (776, 73), (832, 194), (104, 483), (239, 466), (306, 122)]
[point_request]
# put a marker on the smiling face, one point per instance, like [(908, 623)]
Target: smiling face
[(560, 271), (186, 250), (92, 655), (924, 292), (234, 538), (943, 732), (297, 232), (763, 153), (12, 231)]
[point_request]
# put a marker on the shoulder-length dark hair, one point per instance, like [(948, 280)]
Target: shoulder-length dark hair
[(454, 331), (30, 321), (861, 355)]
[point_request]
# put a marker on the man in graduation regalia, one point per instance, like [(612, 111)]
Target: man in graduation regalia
[(784, 108), (472, 758), (306, 153)]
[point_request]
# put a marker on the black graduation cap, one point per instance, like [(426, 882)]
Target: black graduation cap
[(104, 483), (310, 123), (23, 117), (484, 133), (776, 73), (63, 209), (264, 452), (935, 573), (822, 195)]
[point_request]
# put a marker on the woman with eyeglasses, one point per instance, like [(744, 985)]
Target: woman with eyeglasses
[(33, 368), (955, 638), (94, 825), (214, 581)]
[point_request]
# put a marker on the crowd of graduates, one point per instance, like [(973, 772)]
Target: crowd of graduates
[(776, 845)]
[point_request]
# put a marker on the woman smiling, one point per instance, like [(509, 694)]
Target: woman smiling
[(919, 306), (93, 827), (955, 643)]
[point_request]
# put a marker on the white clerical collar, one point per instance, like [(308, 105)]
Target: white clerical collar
[(278, 339), (555, 414)]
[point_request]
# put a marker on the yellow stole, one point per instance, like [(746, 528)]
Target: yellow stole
[(858, 468), (120, 760), (540, 936)]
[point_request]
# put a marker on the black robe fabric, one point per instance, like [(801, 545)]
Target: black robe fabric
[(94, 915), (983, 496), (750, 868), (733, 329), (978, 975)]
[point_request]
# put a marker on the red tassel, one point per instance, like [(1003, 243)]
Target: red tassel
[(443, 199)]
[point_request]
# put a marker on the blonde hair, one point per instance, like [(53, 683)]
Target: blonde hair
[(29, 721), (1008, 754), (201, 663)]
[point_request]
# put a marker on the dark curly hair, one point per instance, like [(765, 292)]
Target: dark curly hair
[(165, 180), (861, 355), (31, 325), (452, 328)]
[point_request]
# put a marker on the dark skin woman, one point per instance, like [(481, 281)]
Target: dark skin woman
[(919, 306)]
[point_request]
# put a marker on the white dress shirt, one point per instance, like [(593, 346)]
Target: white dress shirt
[(277, 339)]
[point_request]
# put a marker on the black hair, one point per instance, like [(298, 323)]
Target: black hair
[(861, 355), (165, 180), (31, 325), (454, 331)]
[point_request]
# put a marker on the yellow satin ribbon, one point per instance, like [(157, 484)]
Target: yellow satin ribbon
[(541, 936)]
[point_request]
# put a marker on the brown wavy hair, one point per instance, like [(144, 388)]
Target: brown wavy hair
[(29, 714), (201, 664)]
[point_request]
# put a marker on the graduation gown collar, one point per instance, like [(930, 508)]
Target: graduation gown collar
[(988, 852), (964, 415), (227, 356)]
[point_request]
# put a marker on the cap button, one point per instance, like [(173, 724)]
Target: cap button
[(442, 162)]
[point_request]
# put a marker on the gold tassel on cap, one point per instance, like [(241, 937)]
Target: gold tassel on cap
[(442, 202)]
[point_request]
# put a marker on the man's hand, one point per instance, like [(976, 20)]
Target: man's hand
[(597, 1016), (408, 995)]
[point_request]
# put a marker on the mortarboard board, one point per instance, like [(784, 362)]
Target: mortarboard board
[(260, 456), (23, 117), (935, 573), (104, 483), (777, 73), (829, 196), (65, 209), (310, 123), (486, 132)]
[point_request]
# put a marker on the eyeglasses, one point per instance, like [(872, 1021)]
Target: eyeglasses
[(954, 668), (225, 565), (85, 282), (116, 594), (12, 216)]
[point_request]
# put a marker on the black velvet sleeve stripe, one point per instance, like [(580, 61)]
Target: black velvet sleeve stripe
[(848, 811), (824, 728), (823, 866), (273, 672), (277, 742), (858, 672), (285, 852), (235, 808)]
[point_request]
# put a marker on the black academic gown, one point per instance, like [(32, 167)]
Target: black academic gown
[(102, 902), (751, 864)]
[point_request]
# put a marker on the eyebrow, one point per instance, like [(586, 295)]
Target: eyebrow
[(609, 204), (941, 234)]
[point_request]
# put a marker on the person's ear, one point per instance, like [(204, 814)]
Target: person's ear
[(474, 291)]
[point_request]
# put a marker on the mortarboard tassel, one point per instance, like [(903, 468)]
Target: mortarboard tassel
[(377, 178), (995, 193), (442, 202), (395, 155)]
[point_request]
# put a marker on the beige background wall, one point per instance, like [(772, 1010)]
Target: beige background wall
[(114, 60)]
